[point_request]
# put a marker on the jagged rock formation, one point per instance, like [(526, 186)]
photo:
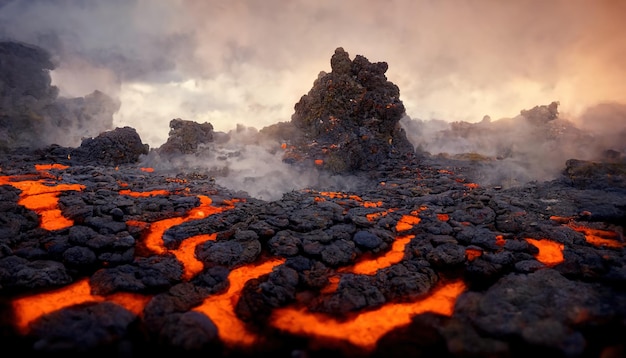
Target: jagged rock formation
[(186, 136), (349, 120)]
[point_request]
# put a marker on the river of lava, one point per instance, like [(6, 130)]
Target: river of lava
[(40, 194)]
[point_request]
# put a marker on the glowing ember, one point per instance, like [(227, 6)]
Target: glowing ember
[(472, 254), (550, 252), (147, 170), (221, 308), (366, 328)]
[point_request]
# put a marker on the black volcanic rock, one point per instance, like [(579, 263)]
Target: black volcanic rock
[(349, 120), (111, 148), (185, 137)]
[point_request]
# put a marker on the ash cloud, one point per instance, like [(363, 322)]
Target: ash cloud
[(248, 62)]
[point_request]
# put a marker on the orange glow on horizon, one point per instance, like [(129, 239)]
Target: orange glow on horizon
[(366, 328), (550, 252), (220, 308)]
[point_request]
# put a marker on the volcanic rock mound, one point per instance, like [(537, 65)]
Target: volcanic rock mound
[(186, 136), (349, 120)]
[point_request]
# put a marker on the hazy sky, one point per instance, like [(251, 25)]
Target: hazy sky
[(249, 62)]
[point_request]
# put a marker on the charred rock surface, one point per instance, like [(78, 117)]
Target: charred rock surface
[(349, 119), (154, 263), (185, 137)]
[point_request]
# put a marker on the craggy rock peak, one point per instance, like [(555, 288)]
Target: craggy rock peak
[(186, 136), (32, 114), (349, 120)]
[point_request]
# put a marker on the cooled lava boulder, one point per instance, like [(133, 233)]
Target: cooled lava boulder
[(186, 136), (350, 119), (111, 148)]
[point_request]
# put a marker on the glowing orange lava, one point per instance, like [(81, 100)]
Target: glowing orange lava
[(30, 308), (42, 196), (550, 252), (596, 237), (187, 256), (600, 238), (154, 232), (143, 194), (366, 328), (472, 254), (407, 222), (221, 308), (393, 256)]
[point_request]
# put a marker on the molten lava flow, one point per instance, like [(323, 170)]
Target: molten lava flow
[(393, 256), (30, 308), (186, 254), (599, 237), (596, 237), (41, 196), (221, 308), (366, 328), (407, 222), (550, 252), (500, 241), (154, 232), (144, 194)]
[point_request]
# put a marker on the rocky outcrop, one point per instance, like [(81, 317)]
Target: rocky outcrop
[(186, 136), (119, 146), (349, 120)]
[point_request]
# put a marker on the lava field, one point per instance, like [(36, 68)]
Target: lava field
[(115, 249), (420, 261)]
